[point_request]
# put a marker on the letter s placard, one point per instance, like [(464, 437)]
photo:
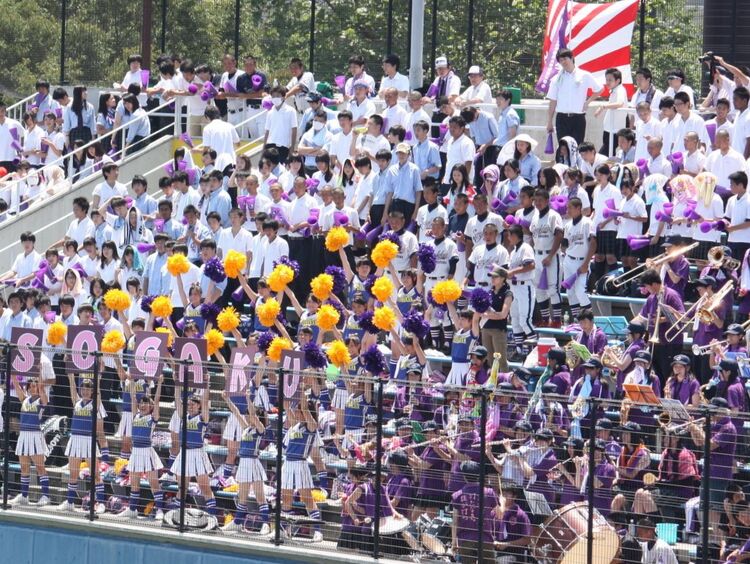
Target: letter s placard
[(24, 357)]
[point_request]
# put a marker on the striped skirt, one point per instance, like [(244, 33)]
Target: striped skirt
[(31, 443), (197, 463), (144, 459), (295, 475), (79, 446), (251, 470)]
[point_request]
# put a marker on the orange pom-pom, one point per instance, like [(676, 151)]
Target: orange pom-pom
[(56, 333), (384, 252), (228, 319), (338, 354), (214, 341), (280, 276), (337, 238), (234, 263), (446, 291), (268, 312), (161, 306), (178, 264), (170, 338), (117, 300), (382, 289), (322, 286), (327, 317), (384, 318), (277, 346), (113, 341)]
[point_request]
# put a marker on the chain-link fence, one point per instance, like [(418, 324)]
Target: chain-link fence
[(88, 42)]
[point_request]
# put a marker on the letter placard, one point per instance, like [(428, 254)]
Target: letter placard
[(293, 363), (195, 352), (149, 351), (24, 358), (83, 341), (242, 368)]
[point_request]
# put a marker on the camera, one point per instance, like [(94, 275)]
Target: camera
[(707, 57)]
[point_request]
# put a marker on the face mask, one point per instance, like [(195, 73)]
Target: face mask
[(277, 101), (317, 126)]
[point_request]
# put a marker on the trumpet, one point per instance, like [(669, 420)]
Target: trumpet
[(655, 262)]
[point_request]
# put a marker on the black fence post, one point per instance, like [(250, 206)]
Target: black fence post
[(279, 454), (590, 482), (94, 414), (163, 38), (641, 33), (6, 428), (470, 35), (389, 30), (312, 35), (237, 29), (378, 471), (706, 485), (63, 25), (482, 470), (183, 442)]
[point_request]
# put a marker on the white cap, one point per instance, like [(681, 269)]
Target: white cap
[(441, 62), (475, 70)]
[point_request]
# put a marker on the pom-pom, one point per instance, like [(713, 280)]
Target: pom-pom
[(415, 323), (228, 319), (214, 341), (374, 361), (384, 318), (146, 302), (178, 264), (369, 282), (117, 300), (56, 333), (293, 264), (338, 354), (314, 356), (209, 311), (382, 289), (170, 337), (446, 291), (264, 341), (161, 306), (337, 238), (322, 286), (427, 258), (383, 253), (268, 312), (214, 270), (339, 278), (327, 317), (391, 236), (277, 346), (234, 263), (365, 322), (338, 306), (113, 341), (280, 276), (480, 300)]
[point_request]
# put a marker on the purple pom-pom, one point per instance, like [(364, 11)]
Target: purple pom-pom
[(146, 303), (427, 258), (391, 236), (369, 281), (365, 322), (480, 300), (339, 278), (374, 361), (415, 323), (264, 341), (214, 269), (433, 303), (209, 312), (314, 356), (293, 264)]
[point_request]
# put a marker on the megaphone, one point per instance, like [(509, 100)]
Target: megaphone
[(642, 165), (636, 242), (677, 160), (609, 213), (707, 226), (663, 216), (570, 281), (543, 280), (611, 204)]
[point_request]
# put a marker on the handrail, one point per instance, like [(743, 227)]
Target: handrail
[(17, 110)]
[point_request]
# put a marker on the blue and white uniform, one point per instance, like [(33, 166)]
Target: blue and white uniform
[(124, 429), (341, 394), (250, 468), (405, 298), (352, 328), (460, 347), (355, 413), (143, 458), (299, 442), (233, 429), (30, 439), (79, 445), (310, 320), (197, 462)]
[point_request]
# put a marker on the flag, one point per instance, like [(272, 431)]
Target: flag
[(598, 34)]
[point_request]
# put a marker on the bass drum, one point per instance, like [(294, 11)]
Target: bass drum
[(562, 537)]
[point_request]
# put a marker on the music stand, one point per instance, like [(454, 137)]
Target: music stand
[(638, 393), (538, 504), (676, 410)]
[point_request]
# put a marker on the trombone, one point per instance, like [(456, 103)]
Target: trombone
[(706, 313), (681, 324), (656, 262)]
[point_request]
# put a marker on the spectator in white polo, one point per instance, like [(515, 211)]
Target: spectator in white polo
[(281, 124), (358, 74), (741, 133), (229, 90), (221, 136), (416, 114), (676, 83), (459, 150), (392, 78), (614, 119), (189, 85), (300, 84), (687, 121), (25, 263), (393, 113), (361, 106), (478, 92), (646, 92), (724, 160)]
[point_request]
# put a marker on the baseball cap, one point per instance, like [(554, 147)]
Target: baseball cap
[(313, 97), (361, 84), (475, 69), (681, 359), (592, 363), (403, 148), (706, 281), (643, 356), (735, 329), (441, 62)]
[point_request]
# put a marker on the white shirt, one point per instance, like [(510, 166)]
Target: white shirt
[(411, 119), (614, 119), (408, 247), (272, 251), (424, 220), (33, 142), (221, 137), (364, 77), (714, 211), (661, 553), (285, 208), (522, 255), (475, 227), (668, 135), (695, 123), (307, 80), (195, 105), (340, 146), (660, 165), (600, 199), (232, 103), (241, 242), (643, 132), (578, 236), (694, 161), (58, 140), (684, 88), (590, 169), (7, 153), (24, 265), (192, 276), (181, 201), (741, 131), (395, 115), (399, 82), (480, 91), (444, 253), (639, 97), (279, 125), (364, 190), (544, 228), (724, 165), (737, 212), (327, 220), (372, 145), (257, 260), (78, 230), (301, 211), (636, 207), (106, 192), (363, 110), (458, 151), (569, 89), (135, 78), (452, 86), (484, 261)]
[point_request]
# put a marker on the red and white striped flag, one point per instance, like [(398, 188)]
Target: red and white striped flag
[(598, 34)]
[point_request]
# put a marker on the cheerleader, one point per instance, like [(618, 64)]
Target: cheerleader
[(197, 465), (462, 342), (307, 316), (358, 403), (31, 446), (79, 445), (407, 295), (356, 280), (250, 473), (125, 427), (301, 441)]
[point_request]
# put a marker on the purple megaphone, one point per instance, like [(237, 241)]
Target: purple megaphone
[(636, 242), (169, 168), (722, 191), (372, 236), (192, 175), (711, 130), (185, 138), (238, 293), (340, 218), (266, 104), (15, 143), (58, 113), (39, 285), (184, 220), (408, 136), (460, 245), (677, 160), (610, 213), (511, 219), (692, 215), (340, 81), (257, 81), (180, 325), (182, 164), (10, 282), (610, 204), (510, 197), (543, 280), (443, 127), (327, 101), (278, 214), (525, 223), (49, 317), (498, 205), (668, 207), (312, 185), (159, 225), (228, 87), (642, 165), (145, 248), (205, 96), (145, 76), (250, 203), (128, 202), (432, 91), (211, 89), (663, 216), (192, 88), (549, 148), (707, 226), (78, 267), (242, 201), (570, 281)]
